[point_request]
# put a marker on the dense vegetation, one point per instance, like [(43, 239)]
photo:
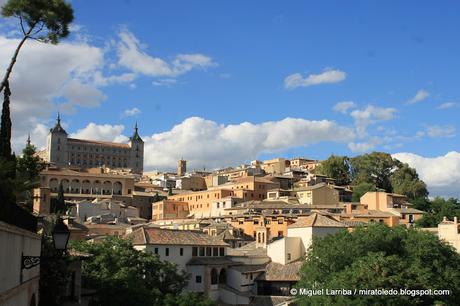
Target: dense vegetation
[(379, 257), (374, 171), (125, 276)]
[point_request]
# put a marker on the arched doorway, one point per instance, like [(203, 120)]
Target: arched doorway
[(214, 276), (223, 276)]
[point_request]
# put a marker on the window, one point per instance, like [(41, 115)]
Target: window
[(215, 251), (280, 233), (156, 251), (198, 279), (280, 221), (288, 256), (167, 252), (221, 252), (256, 221), (201, 251), (208, 251), (181, 252)]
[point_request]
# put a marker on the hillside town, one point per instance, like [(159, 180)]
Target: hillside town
[(218, 153), (240, 233)]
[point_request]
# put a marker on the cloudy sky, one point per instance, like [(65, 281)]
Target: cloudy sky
[(222, 83)]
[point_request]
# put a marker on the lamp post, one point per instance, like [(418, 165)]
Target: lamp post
[(61, 235)]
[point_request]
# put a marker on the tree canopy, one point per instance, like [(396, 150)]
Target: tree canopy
[(376, 170), (125, 276), (381, 257), (436, 209), (337, 167)]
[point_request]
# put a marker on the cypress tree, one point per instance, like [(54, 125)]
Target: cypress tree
[(5, 128)]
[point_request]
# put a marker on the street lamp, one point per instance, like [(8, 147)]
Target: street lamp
[(61, 234)]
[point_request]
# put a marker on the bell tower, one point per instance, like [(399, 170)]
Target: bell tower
[(57, 144), (137, 152)]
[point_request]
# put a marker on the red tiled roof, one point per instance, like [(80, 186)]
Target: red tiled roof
[(316, 220), (173, 237), (278, 272)]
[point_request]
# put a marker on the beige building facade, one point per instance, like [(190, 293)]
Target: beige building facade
[(62, 150)]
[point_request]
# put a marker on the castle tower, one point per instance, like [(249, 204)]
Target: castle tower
[(137, 151), (181, 167), (57, 144)]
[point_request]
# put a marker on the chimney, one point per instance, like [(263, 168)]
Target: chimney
[(348, 208), (444, 219), (455, 220)]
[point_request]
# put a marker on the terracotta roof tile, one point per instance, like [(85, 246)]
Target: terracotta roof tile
[(278, 272), (316, 220), (174, 237)]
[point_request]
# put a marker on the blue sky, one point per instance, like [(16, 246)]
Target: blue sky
[(395, 63)]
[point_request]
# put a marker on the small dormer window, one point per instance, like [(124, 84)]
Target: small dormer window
[(59, 140)]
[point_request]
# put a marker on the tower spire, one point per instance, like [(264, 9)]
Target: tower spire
[(28, 140), (58, 118)]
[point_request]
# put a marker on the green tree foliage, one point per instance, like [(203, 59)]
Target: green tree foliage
[(125, 276), (187, 299), (437, 209), (405, 180), (361, 189), (336, 167), (29, 166), (381, 257), (375, 168), (43, 20)]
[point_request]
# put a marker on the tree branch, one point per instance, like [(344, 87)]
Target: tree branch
[(22, 25), (15, 56)]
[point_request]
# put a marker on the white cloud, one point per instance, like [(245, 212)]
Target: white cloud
[(370, 115), (123, 78), (83, 94), (419, 96), (344, 106), (131, 112), (165, 82), (45, 72), (441, 173), (205, 142), (447, 105), (440, 131), (361, 147), (105, 132), (131, 56), (328, 76)]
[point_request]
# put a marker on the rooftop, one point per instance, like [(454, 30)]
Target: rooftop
[(98, 142), (153, 235), (316, 220), (278, 272)]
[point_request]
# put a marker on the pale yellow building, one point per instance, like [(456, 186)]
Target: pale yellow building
[(396, 204), (275, 166), (319, 194), (449, 231)]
